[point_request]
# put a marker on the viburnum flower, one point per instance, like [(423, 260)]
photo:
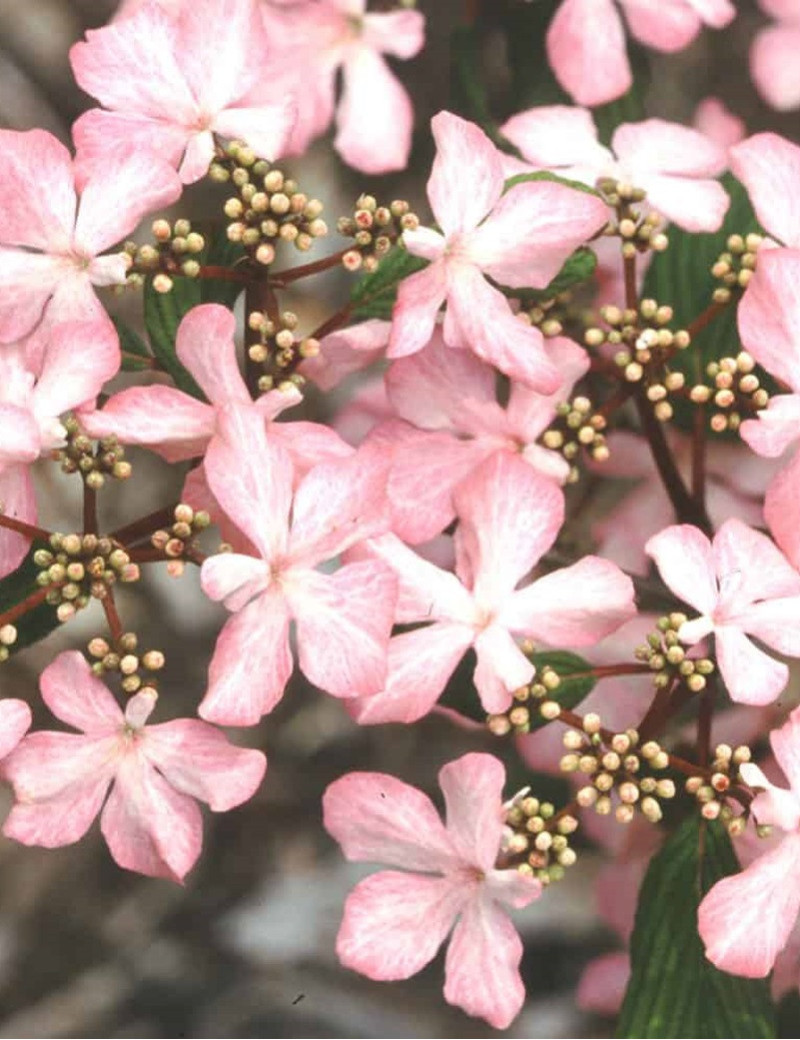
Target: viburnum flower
[(374, 116), (674, 164), (150, 819), (773, 55), (586, 39), (169, 82), (452, 421), (80, 357), (343, 619), (743, 586), (49, 245), (747, 919), (509, 516), (519, 239), (396, 920)]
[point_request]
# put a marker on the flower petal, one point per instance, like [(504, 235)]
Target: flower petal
[(467, 177), (586, 51), (769, 167), (204, 345), (685, 561), (751, 676), (75, 695)]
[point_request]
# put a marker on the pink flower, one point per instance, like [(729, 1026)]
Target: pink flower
[(169, 81), (509, 516), (343, 619), (347, 351), (150, 819), (520, 239), (747, 919), (674, 164), (715, 120), (80, 357), (769, 167), (396, 920), (743, 586), (374, 117), (586, 39), (49, 245), (773, 55), (453, 422)]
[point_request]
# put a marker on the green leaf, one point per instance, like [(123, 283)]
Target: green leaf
[(221, 252), (133, 347), (163, 313), (578, 268), (681, 277), (547, 175), (15, 588), (373, 295), (673, 990)]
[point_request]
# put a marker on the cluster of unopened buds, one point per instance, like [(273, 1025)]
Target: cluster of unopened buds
[(548, 314), (536, 838), (735, 392), (529, 702), (122, 658), (638, 230), (177, 542), (734, 268), (710, 790), (577, 427), (78, 568), (373, 229), (278, 351), (268, 206), (94, 464), (614, 761), (176, 252), (666, 655)]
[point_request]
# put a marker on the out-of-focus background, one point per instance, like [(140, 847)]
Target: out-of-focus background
[(246, 948)]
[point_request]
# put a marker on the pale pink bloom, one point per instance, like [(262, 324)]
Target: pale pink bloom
[(343, 353), (374, 116), (769, 167), (519, 239), (343, 619), (747, 919), (773, 55), (49, 246), (735, 485), (15, 721), (80, 357), (396, 920), (169, 82), (150, 819), (586, 39), (714, 119), (452, 421), (509, 516), (743, 586), (674, 164)]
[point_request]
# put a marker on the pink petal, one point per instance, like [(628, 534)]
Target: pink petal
[(696, 205), (27, 281), (81, 357), (344, 621), (378, 818), (684, 559), (347, 351), (781, 510), (161, 418), (775, 623), (576, 606), (715, 120), (15, 721), (772, 805), (657, 146), (419, 298), (265, 128), (373, 97), (339, 503), (197, 158), (554, 136), (479, 316), (745, 920), (769, 167), (37, 192), (200, 761), (467, 176), (204, 345), (234, 578), (149, 826), (586, 51), (502, 668), (776, 428), (602, 985), (512, 888), (308, 444), (251, 665), (665, 27), (751, 676), (769, 314), (750, 567), (103, 139), (400, 33), (20, 439), (482, 965), (420, 664), (532, 230), (394, 923), (18, 500), (274, 402), (773, 66), (60, 781), (530, 413), (512, 515), (473, 792), (251, 478), (75, 695)]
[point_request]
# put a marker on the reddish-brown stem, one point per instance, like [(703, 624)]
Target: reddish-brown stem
[(294, 274), (226, 274), (145, 525), (336, 321), (151, 554), (138, 360), (657, 714), (20, 609), (699, 457), (112, 617), (631, 294), (603, 671), (29, 530), (705, 318), (89, 510)]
